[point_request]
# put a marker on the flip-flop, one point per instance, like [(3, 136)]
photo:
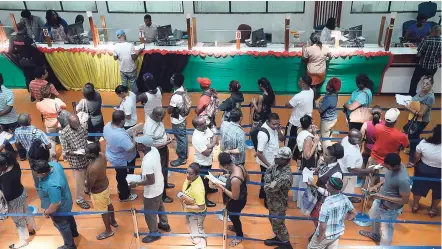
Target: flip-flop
[(13, 246), (104, 235), (235, 242), (114, 224), (369, 235)]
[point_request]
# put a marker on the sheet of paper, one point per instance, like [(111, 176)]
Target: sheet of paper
[(307, 175), (403, 99), (215, 180), (133, 178), (138, 128)]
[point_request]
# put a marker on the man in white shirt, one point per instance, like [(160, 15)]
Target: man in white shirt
[(151, 95), (126, 55), (149, 29), (178, 121), (152, 180), (128, 105), (301, 104), (203, 141), (352, 162), (154, 128), (268, 144)]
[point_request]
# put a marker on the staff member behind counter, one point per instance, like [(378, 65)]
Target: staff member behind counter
[(419, 30), (149, 29)]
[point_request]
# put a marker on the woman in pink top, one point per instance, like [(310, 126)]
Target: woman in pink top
[(49, 109), (368, 132)]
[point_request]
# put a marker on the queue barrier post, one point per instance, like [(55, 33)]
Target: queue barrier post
[(225, 224), (136, 231), (363, 214)]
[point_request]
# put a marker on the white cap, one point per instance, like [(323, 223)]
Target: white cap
[(391, 115), (144, 139)]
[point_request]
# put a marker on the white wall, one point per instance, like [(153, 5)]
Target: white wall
[(272, 23)]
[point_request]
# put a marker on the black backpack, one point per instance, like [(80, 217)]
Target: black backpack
[(38, 150), (254, 135)]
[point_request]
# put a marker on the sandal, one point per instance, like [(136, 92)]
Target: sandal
[(231, 228), (83, 205), (370, 235), (432, 213), (16, 247), (104, 235), (234, 242), (414, 209)]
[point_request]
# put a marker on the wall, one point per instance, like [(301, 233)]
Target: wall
[(207, 23)]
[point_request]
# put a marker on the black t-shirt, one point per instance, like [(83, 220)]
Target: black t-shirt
[(10, 183), (22, 44)]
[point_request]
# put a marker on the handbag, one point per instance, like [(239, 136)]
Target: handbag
[(83, 113), (361, 114), (309, 200), (412, 126)]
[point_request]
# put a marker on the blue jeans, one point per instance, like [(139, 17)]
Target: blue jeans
[(181, 140), (415, 139), (132, 78), (381, 229)]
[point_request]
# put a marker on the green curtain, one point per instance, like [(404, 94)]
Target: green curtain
[(282, 72), (12, 75)]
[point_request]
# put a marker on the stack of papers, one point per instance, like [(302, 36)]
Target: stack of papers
[(307, 175), (5, 136), (403, 99), (215, 180)]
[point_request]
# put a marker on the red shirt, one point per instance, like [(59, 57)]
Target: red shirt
[(37, 84), (388, 140)]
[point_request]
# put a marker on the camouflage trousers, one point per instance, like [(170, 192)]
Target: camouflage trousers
[(278, 225)]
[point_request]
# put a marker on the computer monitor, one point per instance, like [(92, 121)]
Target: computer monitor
[(258, 35), (75, 29), (354, 32), (164, 32)]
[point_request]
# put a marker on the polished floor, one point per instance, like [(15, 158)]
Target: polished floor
[(91, 225)]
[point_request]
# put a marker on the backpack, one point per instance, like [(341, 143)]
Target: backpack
[(3, 206), (38, 150), (254, 135), (213, 107), (184, 109)]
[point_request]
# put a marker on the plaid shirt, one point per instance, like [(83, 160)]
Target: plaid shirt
[(429, 49), (37, 84), (333, 213), (72, 140), (26, 134), (233, 137)]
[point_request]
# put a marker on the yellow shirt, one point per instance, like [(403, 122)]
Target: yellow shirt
[(195, 191)]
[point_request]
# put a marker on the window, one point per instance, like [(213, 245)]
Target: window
[(387, 6), (145, 6), (43, 5), (126, 6), (79, 6), (408, 6), (228, 7), (10, 5), (164, 6)]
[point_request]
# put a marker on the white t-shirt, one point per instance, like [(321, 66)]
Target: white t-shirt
[(129, 107), (269, 145), (302, 104), (352, 156), (200, 140), (156, 131), (125, 50), (151, 164), (430, 153), (177, 101), (153, 100), (300, 139)]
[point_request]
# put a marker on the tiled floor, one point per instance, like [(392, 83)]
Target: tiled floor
[(259, 228)]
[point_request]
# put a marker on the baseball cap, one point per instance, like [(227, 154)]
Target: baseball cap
[(336, 183), (144, 139), (120, 32), (392, 114), (284, 153)]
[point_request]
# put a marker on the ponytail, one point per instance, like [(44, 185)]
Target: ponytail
[(376, 118)]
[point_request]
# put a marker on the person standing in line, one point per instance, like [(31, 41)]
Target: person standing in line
[(203, 141), (429, 53), (233, 138), (234, 193), (8, 115), (154, 127), (73, 139), (327, 109), (97, 184), (269, 136), (15, 196), (368, 132), (232, 102), (153, 182), (27, 133), (35, 86), (120, 152), (263, 107), (34, 25), (92, 103), (389, 201), (128, 105), (301, 104), (360, 97), (208, 104), (335, 209), (149, 29), (126, 55), (152, 97), (277, 183), (178, 109), (55, 196)]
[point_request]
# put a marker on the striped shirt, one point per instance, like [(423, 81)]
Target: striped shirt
[(429, 49), (37, 84), (26, 134), (333, 212), (233, 137), (6, 100)]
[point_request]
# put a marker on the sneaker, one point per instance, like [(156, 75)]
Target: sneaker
[(165, 228), (131, 197), (167, 199), (150, 239), (178, 162)]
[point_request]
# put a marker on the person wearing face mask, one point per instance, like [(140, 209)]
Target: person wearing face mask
[(204, 141), (234, 193), (97, 184), (55, 197), (73, 139), (149, 29), (194, 203)]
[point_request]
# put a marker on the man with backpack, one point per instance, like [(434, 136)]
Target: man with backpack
[(179, 109), (208, 104), (28, 136), (268, 138)]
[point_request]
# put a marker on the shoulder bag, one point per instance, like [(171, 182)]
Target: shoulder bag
[(362, 113)]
